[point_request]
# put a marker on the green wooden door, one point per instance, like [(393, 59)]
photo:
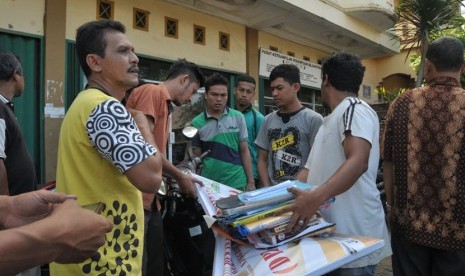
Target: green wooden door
[(27, 107)]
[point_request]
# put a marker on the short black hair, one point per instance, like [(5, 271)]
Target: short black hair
[(182, 67), (446, 53), (9, 65), (344, 71), (216, 79), (90, 39), (289, 72), (244, 78)]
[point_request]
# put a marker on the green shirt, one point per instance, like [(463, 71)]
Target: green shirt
[(222, 138)]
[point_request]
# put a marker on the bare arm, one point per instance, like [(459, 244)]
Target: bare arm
[(262, 167), (146, 175), (302, 175), (357, 152), (246, 160), (4, 190), (46, 227)]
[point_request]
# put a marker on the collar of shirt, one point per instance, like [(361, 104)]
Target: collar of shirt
[(208, 116), (6, 101), (247, 109), (170, 106)]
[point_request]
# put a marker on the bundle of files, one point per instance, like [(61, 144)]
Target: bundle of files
[(252, 218)]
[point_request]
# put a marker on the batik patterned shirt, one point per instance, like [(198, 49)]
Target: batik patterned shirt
[(424, 138)]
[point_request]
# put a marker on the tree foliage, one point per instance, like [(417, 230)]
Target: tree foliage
[(419, 19)]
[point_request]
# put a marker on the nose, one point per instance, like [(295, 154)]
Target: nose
[(274, 92), (134, 58)]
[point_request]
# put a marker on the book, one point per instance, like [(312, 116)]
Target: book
[(265, 223), (263, 240), (269, 196)]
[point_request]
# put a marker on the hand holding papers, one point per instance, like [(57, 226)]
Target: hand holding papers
[(242, 216), (287, 257)]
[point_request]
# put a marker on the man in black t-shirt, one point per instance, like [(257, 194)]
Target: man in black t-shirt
[(17, 174)]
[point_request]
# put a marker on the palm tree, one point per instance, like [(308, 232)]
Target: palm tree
[(418, 19)]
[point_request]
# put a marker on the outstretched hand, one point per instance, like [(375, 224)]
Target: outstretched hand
[(187, 184), (29, 207), (79, 232), (305, 206)]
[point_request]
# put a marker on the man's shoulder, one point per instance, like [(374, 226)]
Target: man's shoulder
[(149, 90), (200, 118), (311, 114), (234, 112), (258, 113)]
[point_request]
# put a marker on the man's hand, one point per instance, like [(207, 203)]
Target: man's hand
[(250, 186), (305, 206), (77, 232), (186, 183), (29, 207)]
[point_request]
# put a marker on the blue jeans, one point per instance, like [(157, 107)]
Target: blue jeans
[(358, 271)]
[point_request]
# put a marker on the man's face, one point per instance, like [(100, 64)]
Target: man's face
[(216, 97), (19, 89), (244, 92), (187, 91), (283, 93), (120, 64)]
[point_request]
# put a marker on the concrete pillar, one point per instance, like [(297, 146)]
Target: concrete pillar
[(54, 81)]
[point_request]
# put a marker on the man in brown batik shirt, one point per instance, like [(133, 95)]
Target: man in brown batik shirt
[(424, 168)]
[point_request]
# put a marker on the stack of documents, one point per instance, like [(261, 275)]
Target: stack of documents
[(251, 217)]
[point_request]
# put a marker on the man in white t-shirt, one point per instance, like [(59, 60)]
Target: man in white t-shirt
[(343, 163)]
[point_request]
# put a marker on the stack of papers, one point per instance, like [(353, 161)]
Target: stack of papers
[(252, 217)]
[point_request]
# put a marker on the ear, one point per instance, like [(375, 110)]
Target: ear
[(296, 87), (183, 79), (462, 69), (16, 77), (94, 62)]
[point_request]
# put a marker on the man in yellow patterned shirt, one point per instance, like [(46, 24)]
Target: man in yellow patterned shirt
[(103, 156)]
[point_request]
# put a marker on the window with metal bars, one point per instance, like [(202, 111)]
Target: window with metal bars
[(199, 34), (105, 9), (140, 19), (171, 27), (224, 41)]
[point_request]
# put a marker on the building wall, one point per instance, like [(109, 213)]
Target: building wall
[(394, 64), (154, 43), (63, 17), (24, 16), (284, 46)]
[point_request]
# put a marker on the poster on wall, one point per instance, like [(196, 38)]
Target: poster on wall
[(310, 73)]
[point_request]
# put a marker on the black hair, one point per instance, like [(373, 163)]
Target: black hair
[(215, 79), (245, 78), (344, 71), (446, 54), (90, 39), (182, 67), (289, 72), (9, 65)]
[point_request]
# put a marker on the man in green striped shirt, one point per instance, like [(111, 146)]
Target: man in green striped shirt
[(223, 131)]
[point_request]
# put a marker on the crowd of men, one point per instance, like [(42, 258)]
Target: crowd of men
[(114, 154)]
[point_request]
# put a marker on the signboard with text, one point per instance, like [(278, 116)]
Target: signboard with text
[(310, 73)]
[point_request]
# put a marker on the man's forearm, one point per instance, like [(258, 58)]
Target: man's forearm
[(25, 247), (262, 169), (170, 170), (4, 190)]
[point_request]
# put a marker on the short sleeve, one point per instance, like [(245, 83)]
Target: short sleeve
[(113, 132), (358, 121), (243, 134), (262, 139)]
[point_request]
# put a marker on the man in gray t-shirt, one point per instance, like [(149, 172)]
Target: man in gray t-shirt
[(286, 135)]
